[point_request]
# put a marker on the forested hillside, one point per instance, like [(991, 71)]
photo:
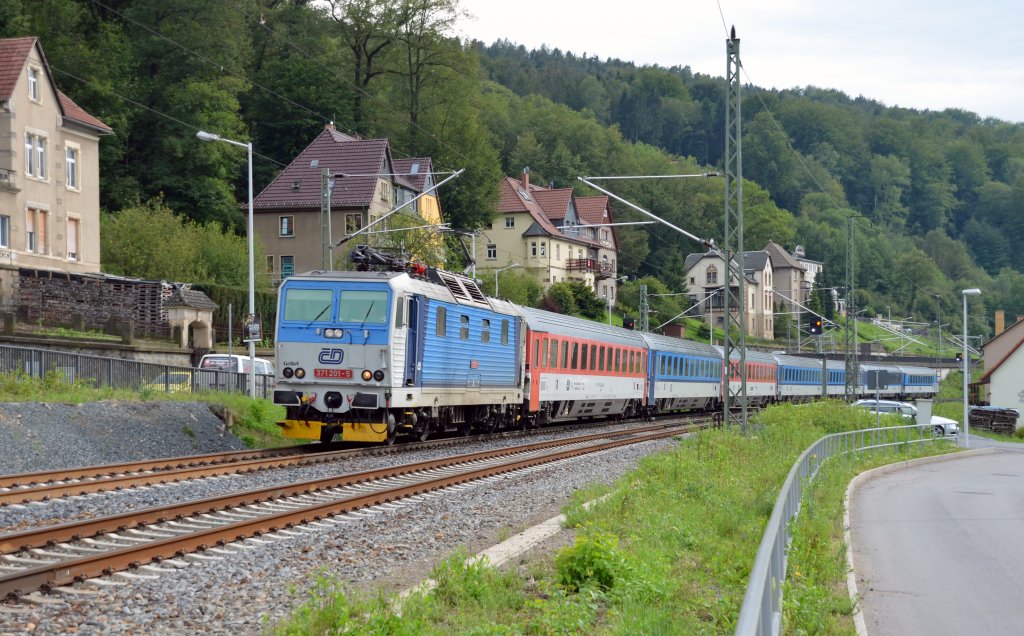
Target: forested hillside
[(935, 195)]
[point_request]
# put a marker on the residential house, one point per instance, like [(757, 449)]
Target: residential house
[(706, 275), (792, 288), (297, 223), (1004, 365), (551, 233), (49, 169)]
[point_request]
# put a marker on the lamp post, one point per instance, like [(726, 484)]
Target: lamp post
[(608, 295), (974, 291), (208, 136), (498, 271)]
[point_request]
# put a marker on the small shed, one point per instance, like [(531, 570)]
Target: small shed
[(190, 316)]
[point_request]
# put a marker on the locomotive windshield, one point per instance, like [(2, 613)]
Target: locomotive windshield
[(362, 306), (308, 305)]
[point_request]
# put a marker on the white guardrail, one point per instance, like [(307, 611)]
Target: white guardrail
[(761, 613)]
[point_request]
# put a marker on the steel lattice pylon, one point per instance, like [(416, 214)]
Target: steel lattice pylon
[(732, 246), (852, 375)]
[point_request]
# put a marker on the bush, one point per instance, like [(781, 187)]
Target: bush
[(593, 560)]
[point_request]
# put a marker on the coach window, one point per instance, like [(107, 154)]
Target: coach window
[(442, 319), (553, 355), (544, 353), (583, 358), (565, 354), (504, 332), (485, 330), (575, 356), (463, 327), (536, 353), (618, 360), (593, 354), (609, 363), (600, 362)]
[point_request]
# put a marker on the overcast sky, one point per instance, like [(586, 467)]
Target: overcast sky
[(919, 54)]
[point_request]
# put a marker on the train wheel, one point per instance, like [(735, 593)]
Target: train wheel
[(392, 434), (422, 434)]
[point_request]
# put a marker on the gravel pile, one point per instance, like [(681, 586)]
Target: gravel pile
[(246, 591)]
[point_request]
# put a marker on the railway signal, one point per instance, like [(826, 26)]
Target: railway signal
[(816, 327)]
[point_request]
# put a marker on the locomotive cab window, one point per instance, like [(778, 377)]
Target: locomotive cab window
[(485, 331), (362, 306), (400, 313), (463, 327), (308, 305)]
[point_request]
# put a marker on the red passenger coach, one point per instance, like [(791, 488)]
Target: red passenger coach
[(578, 368)]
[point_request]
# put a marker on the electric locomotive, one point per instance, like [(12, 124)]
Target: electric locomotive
[(373, 355)]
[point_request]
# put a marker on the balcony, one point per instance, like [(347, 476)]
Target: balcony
[(7, 181), (599, 269)]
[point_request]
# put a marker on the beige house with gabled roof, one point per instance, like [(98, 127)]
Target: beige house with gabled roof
[(49, 169), (548, 232)]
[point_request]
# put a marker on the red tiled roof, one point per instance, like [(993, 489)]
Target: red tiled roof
[(13, 54), (513, 198), (298, 185), (595, 211), (984, 379), (74, 112), (554, 202), (423, 166)]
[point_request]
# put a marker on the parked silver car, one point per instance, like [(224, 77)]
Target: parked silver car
[(940, 425)]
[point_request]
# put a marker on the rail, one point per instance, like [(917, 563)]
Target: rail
[(761, 613), (118, 373)]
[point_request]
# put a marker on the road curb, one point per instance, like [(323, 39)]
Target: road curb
[(855, 483)]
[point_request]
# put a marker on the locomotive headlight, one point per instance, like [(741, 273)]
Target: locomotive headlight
[(287, 372), (300, 373), (378, 375), (329, 333), (367, 375)]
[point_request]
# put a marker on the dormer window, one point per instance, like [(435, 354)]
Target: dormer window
[(33, 84)]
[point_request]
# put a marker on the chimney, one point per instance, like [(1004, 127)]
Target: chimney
[(1000, 321), (329, 125), (526, 178)]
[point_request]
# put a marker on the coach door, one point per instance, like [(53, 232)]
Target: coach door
[(412, 343)]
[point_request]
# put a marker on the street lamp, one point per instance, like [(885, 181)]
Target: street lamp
[(974, 291), (498, 271), (608, 296), (208, 136)]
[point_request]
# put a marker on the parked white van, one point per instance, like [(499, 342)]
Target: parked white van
[(234, 363)]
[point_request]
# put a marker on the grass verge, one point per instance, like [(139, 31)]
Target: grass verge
[(252, 421), (668, 551)]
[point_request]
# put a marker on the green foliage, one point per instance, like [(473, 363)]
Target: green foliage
[(559, 298), (594, 560)]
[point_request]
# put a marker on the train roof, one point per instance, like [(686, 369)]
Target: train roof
[(448, 287), (659, 342), (752, 355), (796, 361), (550, 322)]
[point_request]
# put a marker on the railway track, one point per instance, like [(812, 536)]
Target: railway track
[(48, 485), (151, 540)]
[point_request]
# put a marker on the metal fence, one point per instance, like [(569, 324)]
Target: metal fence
[(761, 613), (117, 373)]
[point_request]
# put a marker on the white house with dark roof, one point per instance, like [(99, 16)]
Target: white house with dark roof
[(49, 170), (549, 232), (365, 183)]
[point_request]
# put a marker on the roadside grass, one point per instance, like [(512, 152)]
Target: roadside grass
[(667, 551), (252, 421)]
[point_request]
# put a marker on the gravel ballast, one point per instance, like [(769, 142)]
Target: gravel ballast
[(246, 591)]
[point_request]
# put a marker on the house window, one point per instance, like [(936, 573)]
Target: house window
[(35, 230), (604, 235), (73, 225), (286, 226), (543, 249), (533, 249), (558, 251), (287, 266), (712, 275), (510, 221), (33, 84), (72, 168), (492, 252), (5, 231), (35, 155), (353, 223)]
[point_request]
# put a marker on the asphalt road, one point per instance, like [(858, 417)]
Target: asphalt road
[(938, 548)]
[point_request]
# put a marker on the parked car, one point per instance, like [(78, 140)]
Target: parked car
[(173, 381), (942, 426), (229, 372), (234, 363)]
